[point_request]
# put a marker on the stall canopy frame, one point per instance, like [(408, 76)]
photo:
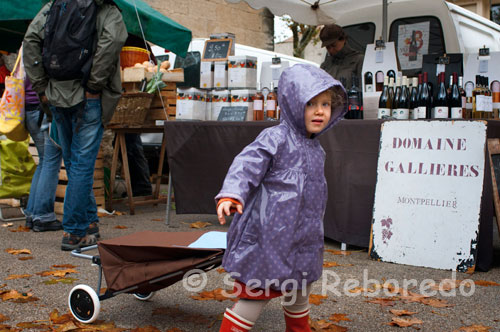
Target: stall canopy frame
[(16, 15)]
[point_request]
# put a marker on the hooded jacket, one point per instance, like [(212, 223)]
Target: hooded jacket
[(105, 73), (279, 179), (344, 64)]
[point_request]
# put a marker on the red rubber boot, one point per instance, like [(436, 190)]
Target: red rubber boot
[(297, 321), (234, 323)]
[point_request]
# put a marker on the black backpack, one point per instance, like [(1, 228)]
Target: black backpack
[(68, 45)]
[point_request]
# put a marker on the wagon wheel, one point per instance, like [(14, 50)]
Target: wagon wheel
[(84, 303), (144, 296)]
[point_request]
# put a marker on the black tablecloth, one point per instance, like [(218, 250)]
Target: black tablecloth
[(200, 153)]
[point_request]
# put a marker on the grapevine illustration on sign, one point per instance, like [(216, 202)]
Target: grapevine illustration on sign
[(413, 43)]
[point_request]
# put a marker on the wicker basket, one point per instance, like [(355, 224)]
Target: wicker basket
[(129, 56), (132, 109)]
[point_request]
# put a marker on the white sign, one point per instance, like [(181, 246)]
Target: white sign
[(413, 43), (428, 193)]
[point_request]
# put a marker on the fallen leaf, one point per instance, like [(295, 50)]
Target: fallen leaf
[(338, 317), (200, 224), (436, 303), (67, 266), (148, 328), (3, 318), (17, 297), (220, 270), (402, 312), (384, 302), (67, 326), (410, 297), (316, 299), (175, 329), (32, 325), (325, 326), (157, 219), (20, 228), (9, 224), (62, 281), (25, 258), (57, 273), (120, 227), (446, 285), (474, 328), (216, 294), (338, 252), (18, 251), (17, 276), (404, 322), (119, 213), (486, 283), (359, 289), (438, 313)]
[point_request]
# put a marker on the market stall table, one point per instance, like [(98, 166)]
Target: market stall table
[(200, 153), (121, 147)]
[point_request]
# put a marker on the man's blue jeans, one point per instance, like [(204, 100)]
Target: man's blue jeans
[(44, 183), (80, 133)]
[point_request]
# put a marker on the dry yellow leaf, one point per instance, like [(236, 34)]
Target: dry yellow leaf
[(57, 273), (338, 317), (67, 266), (338, 252), (17, 276), (474, 328), (20, 228), (486, 283), (199, 224), (384, 302), (18, 251), (3, 318), (120, 227), (404, 322), (402, 312), (25, 258), (317, 299)]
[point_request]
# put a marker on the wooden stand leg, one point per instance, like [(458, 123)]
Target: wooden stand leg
[(123, 147), (114, 165), (159, 174)]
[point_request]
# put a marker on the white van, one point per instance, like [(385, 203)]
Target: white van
[(452, 29), (264, 58)]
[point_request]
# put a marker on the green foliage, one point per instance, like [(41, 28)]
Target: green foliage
[(303, 34), (155, 83)]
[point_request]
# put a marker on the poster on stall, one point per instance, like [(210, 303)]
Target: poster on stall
[(413, 43), (428, 193)]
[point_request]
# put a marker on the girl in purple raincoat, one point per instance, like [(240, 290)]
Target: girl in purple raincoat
[(277, 186)]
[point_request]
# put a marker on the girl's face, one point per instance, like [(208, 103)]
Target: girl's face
[(318, 112)]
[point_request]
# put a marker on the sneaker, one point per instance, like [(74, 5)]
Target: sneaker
[(29, 222), (54, 225), (72, 242), (94, 230)]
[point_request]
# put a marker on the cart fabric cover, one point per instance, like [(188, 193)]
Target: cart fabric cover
[(16, 15), (140, 258)]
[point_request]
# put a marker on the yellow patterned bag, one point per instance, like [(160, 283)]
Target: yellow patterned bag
[(12, 103)]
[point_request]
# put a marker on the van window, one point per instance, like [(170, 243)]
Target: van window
[(413, 37), (360, 35)]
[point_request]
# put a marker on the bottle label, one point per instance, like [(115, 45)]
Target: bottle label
[(440, 112), (258, 104), (488, 104), (383, 112), (468, 106), (422, 112), (413, 113), (271, 105), (496, 105), (480, 103), (402, 113), (368, 87), (456, 113), (464, 103)]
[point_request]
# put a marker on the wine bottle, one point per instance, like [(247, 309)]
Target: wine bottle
[(413, 48), (455, 103), (354, 99), (403, 110), (425, 103), (488, 100), (414, 99), (441, 110), (384, 102), (392, 75), (397, 96), (477, 99), (391, 92), (468, 87), (271, 103), (379, 80), (462, 95), (368, 81), (258, 105), (495, 92)]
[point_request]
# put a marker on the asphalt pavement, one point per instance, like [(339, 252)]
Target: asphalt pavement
[(173, 308)]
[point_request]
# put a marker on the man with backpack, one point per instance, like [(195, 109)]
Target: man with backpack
[(71, 55)]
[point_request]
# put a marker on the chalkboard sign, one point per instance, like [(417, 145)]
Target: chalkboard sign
[(217, 49), (494, 152), (233, 113)]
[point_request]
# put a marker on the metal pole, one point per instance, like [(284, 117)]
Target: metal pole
[(384, 20)]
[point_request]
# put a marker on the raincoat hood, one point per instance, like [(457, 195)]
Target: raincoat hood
[(298, 85)]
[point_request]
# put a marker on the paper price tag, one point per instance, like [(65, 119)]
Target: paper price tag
[(440, 68), (379, 57), (483, 66)]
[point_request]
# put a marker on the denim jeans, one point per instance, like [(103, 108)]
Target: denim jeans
[(44, 183), (80, 133)]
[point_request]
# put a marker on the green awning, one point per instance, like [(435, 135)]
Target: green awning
[(15, 16)]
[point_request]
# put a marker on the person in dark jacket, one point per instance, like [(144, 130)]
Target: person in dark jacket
[(278, 188), (341, 60), (80, 111)]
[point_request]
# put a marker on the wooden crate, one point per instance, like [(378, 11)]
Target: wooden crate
[(63, 181), (159, 110)]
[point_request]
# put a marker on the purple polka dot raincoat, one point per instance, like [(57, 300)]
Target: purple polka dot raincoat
[(279, 179)]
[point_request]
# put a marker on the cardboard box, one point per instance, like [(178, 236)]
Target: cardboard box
[(220, 74), (244, 97), (220, 98), (207, 74), (191, 104), (242, 72)]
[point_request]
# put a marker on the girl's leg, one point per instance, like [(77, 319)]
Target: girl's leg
[(242, 316), (296, 307)]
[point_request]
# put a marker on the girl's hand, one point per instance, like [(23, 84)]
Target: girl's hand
[(226, 208)]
